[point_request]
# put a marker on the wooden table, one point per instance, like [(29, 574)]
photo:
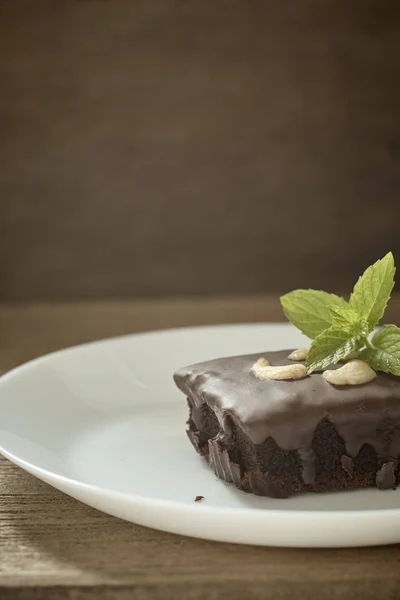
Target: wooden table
[(53, 547)]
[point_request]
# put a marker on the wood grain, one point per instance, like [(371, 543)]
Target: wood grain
[(30, 330), (163, 147), (53, 547)]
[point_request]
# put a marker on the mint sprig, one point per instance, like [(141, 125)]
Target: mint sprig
[(309, 310), (338, 328), (384, 355)]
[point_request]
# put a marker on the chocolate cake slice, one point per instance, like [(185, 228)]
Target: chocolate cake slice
[(276, 438)]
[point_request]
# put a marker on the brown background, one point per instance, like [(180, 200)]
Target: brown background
[(152, 147)]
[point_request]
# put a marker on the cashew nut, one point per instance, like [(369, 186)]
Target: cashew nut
[(262, 362), (299, 354), (355, 372), (263, 370)]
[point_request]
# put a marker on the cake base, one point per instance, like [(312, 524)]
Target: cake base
[(267, 470)]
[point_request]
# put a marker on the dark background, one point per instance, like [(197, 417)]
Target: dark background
[(159, 147)]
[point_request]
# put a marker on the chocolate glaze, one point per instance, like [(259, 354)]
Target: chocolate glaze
[(290, 411)]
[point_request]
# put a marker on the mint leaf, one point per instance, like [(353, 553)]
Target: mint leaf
[(372, 291), (308, 310), (380, 360), (349, 320), (385, 356), (386, 336), (331, 346)]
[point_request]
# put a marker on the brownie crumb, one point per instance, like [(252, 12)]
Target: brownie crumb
[(198, 498)]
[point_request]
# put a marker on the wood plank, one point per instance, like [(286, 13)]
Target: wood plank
[(49, 540), (30, 330)]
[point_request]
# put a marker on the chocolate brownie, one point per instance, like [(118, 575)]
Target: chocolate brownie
[(277, 438)]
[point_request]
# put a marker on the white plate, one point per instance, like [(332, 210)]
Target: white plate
[(104, 423)]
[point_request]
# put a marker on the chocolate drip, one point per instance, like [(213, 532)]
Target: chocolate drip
[(347, 464), (307, 458), (290, 411), (385, 477)]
